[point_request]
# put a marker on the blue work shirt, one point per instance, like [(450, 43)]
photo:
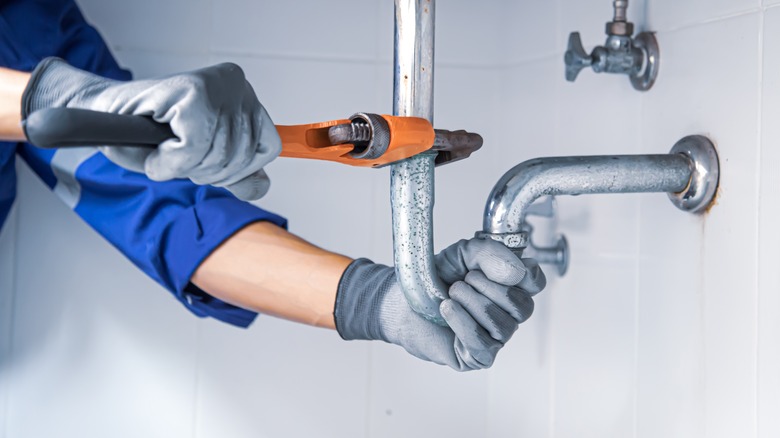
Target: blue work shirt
[(165, 228)]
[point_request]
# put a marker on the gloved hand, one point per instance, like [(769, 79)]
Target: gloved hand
[(490, 291), (225, 136)]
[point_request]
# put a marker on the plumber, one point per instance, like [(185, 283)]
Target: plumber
[(179, 212)]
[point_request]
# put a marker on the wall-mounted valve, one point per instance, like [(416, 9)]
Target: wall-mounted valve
[(636, 57), (557, 255)]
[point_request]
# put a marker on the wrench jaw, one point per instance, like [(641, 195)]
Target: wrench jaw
[(371, 136), (454, 146)]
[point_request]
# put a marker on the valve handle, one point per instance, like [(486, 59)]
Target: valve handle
[(576, 57)]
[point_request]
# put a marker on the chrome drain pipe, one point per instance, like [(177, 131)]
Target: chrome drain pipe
[(689, 174), (412, 180)]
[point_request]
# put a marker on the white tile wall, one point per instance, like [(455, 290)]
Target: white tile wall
[(769, 211), (344, 28), (531, 31), (684, 13), (98, 348), (280, 379), (171, 26), (725, 105), (665, 326)]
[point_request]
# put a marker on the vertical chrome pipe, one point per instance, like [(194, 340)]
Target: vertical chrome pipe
[(412, 187)]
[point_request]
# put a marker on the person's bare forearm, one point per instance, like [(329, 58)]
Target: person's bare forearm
[(266, 269), (12, 85)]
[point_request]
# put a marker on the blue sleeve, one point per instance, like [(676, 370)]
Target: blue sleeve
[(165, 228), (7, 180)]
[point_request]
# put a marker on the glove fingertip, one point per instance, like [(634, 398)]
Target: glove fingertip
[(449, 309), (504, 270), (251, 188), (535, 281), (155, 170)]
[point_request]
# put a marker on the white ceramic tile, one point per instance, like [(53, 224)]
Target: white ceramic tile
[(670, 387), (666, 15), (529, 101), (769, 237), (145, 64), (171, 26), (467, 33), (409, 397), (280, 379), (92, 334), (670, 393), (593, 317), (529, 30), (691, 98), (311, 28)]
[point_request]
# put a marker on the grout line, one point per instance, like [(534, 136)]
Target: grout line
[(524, 60), (326, 58), (757, 314), (710, 20)]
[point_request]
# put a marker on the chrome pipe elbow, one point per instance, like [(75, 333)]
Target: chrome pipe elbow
[(689, 174)]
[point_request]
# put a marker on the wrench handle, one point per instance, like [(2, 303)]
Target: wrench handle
[(71, 127)]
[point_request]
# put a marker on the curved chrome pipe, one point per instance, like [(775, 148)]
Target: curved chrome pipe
[(412, 180), (689, 174), (525, 183)]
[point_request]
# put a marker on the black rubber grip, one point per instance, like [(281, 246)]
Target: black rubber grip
[(71, 127)]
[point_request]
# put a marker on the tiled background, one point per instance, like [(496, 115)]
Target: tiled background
[(666, 325)]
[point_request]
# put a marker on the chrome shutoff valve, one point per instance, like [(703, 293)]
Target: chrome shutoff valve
[(556, 255), (636, 57)]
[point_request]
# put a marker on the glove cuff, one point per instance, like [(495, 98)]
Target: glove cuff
[(359, 299), (55, 84)]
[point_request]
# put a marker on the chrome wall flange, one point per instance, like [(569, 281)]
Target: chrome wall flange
[(556, 255), (705, 174), (647, 42)]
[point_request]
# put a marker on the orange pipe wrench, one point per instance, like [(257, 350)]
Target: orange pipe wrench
[(406, 136), (365, 139)]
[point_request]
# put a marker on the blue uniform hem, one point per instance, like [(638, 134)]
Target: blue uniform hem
[(195, 237)]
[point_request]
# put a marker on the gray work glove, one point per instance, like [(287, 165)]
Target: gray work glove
[(490, 294), (225, 136)]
